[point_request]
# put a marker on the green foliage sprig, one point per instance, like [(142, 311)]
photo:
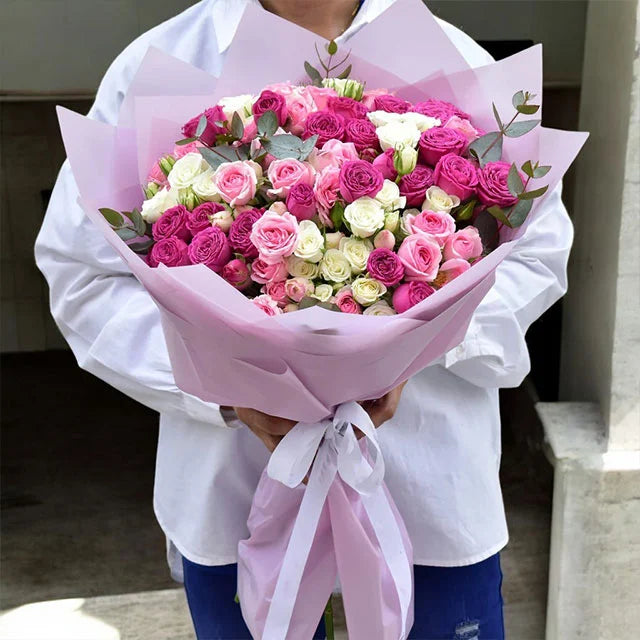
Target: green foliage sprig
[(329, 66), (128, 228)]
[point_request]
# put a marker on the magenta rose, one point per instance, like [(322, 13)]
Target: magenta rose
[(438, 224), (326, 125), (457, 176), (409, 294), (414, 185), (271, 101), (263, 272), (362, 133), (345, 301), (420, 254), (391, 104), (171, 252), (236, 273), (348, 108), (438, 141), (211, 248), (492, 185), (267, 304), (240, 233), (173, 222), (384, 163), (301, 201), (439, 109), (386, 266), (465, 244), (199, 219), (359, 178), (212, 130), (275, 235)]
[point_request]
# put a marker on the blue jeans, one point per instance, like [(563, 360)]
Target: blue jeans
[(451, 603)]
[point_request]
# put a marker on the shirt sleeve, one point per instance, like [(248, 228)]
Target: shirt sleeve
[(107, 317), (534, 276)]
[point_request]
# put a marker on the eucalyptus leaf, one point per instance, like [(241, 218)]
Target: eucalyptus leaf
[(112, 217), (313, 73), (307, 302), (184, 141), (465, 211), (237, 127), (141, 247), (332, 48), (531, 195), (337, 215), (517, 129), (127, 233), (528, 169), (138, 222), (519, 212), (518, 99), (487, 227), (307, 147), (345, 74), (514, 181), (487, 148), (497, 116), (329, 306), (541, 172), (499, 214), (528, 109), (268, 123), (202, 125), (213, 159), (284, 146)]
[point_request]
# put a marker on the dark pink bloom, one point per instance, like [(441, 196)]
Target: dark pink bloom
[(410, 294), (362, 133), (439, 109), (414, 185), (326, 125), (384, 162), (384, 265), (359, 178), (438, 141), (198, 219), (301, 201), (456, 175), (212, 130), (171, 252), (271, 101), (211, 248), (236, 273), (492, 185), (173, 222), (348, 108), (391, 104), (240, 233)]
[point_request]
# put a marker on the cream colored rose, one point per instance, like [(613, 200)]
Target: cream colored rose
[(380, 118), (222, 219), (389, 196), (332, 240), (323, 292), (204, 188), (300, 268), (391, 221), (420, 121), (186, 170), (237, 104), (439, 200), (366, 291), (365, 216), (357, 253), (398, 133), (405, 159), (380, 308), (310, 242), (335, 267), (153, 208)]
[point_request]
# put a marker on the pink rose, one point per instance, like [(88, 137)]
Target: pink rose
[(157, 175), (410, 294), (267, 304), (414, 185), (275, 236), (236, 182), (211, 248), (384, 163), (420, 254), (452, 269), (492, 185), (326, 125), (283, 174), (250, 131), (301, 201), (345, 301), (384, 240), (173, 222), (298, 288), (465, 244), (320, 95), (457, 176), (463, 126), (359, 178), (236, 273), (271, 101), (212, 130), (348, 108), (326, 189), (171, 252), (263, 272), (438, 224), (384, 265), (240, 233), (277, 291), (369, 97), (334, 153), (438, 141), (283, 88), (299, 105), (391, 104), (200, 217), (180, 150), (439, 109), (362, 133)]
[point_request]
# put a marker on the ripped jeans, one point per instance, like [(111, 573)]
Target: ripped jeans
[(451, 603)]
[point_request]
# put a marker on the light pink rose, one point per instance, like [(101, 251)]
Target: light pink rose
[(438, 224), (369, 97), (320, 95), (277, 291), (275, 236), (465, 244), (451, 269), (334, 153), (236, 273), (157, 175), (327, 189), (463, 126), (300, 104), (298, 288), (283, 88), (235, 182), (420, 254), (384, 240), (263, 272), (283, 174), (267, 304), (345, 301), (181, 150)]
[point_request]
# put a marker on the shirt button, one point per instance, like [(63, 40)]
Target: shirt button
[(460, 350)]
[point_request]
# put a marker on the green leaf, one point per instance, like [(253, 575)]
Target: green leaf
[(138, 222), (112, 217), (141, 247), (237, 127), (531, 195), (540, 172), (499, 215), (267, 123), (487, 149), (464, 211), (213, 159), (337, 215), (184, 141), (345, 74), (487, 226), (284, 146), (518, 99), (202, 125), (519, 213), (127, 233), (517, 129), (224, 153), (329, 306), (528, 109), (307, 147), (528, 169), (514, 181), (313, 73), (307, 302), (332, 48), (497, 116)]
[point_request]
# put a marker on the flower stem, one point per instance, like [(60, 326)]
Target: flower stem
[(328, 620)]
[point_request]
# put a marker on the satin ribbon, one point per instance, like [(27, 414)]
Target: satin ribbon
[(331, 447)]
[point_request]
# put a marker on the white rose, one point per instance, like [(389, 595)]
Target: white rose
[(380, 308), (405, 159), (398, 133), (391, 221), (323, 292), (204, 188), (153, 208), (310, 242), (380, 118), (389, 196), (335, 267), (237, 104), (439, 200), (300, 268), (357, 253), (186, 170), (420, 121), (365, 215), (366, 291)]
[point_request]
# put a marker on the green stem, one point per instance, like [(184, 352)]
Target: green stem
[(500, 134), (328, 620)]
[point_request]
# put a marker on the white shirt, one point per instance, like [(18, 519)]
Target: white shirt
[(442, 448)]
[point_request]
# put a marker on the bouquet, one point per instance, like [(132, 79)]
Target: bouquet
[(388, 189)]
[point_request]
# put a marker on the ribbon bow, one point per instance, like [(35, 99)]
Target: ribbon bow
[(328, 448)]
